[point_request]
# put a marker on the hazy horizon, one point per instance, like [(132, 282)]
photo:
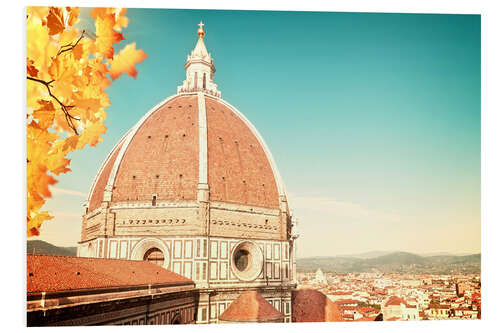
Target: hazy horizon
[(373, 120)]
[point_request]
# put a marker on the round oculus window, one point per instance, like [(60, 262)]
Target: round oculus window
[(247, 261)]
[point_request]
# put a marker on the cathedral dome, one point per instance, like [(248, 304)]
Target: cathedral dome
[(163, 157), (193, 146), (193, 187)]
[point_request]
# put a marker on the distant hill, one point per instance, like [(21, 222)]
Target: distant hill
[(367, 255), (41, 247), (396, 262)]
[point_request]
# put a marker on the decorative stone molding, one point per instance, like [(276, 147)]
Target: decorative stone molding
[(159, 204), (244, 208)]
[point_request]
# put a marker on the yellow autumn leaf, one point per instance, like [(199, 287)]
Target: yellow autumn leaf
[(78, 51), (91, 135), (45, 114), (125, 61), (35, 223), (106, 36), (38, 12), (73, 15), (67, 77)]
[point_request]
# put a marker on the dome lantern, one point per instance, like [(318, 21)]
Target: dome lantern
[(200, 69)]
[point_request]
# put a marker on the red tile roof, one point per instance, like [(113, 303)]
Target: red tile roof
[(246, 174), (340, 293), (366, 309), (346, 301), (366, 318), (59, 273), (164, 147), (250, 306), (310, 305), (393, 300)]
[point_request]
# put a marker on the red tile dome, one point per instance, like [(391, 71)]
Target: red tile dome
[(160, 156)]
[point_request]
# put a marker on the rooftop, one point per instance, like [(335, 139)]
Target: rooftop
[(48, 273), (250, 306)]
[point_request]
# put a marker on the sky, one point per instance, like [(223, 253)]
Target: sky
[(373, 120)]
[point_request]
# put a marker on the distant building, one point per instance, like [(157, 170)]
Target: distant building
[(338, 295), (396, 307), (320, 277), (440, 311)]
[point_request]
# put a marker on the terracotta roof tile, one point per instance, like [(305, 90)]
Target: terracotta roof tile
[(393, 300), (59, 273), (250, 306), (309, 305), (366, 318)]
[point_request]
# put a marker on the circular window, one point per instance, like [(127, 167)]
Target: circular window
[(246, 261), (241, 260)]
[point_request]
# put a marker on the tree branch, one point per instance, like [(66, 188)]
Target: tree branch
[(64, 108), (69, 47)]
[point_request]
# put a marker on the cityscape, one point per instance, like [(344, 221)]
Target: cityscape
[(398, 297)]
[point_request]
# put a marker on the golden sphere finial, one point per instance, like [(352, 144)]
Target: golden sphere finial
[(201, 32)]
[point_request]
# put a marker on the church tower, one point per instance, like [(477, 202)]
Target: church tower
[(194, 188)]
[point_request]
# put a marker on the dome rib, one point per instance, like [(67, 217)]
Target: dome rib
[(104, 164), (255, 132)]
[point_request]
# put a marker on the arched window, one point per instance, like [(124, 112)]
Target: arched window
[(204, 80), (176, 320), (195, 80), (155, 256)]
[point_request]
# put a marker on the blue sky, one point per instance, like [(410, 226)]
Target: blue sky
[(373, 119)]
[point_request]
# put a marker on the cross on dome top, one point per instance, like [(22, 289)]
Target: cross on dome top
[(201, 32), (200, 69)]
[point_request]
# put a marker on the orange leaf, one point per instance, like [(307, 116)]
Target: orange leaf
[(91, 135), (31, 69), (55, 21), (70, 143), (58, 164), (73, 15), (37, 11), (35, 223), (120, 19), (125, 61), (78, 51), (45, 114), (99, 12), (106, 36)]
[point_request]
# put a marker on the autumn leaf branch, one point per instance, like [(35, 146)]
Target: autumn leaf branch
[(64, 108), (70, 46)]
